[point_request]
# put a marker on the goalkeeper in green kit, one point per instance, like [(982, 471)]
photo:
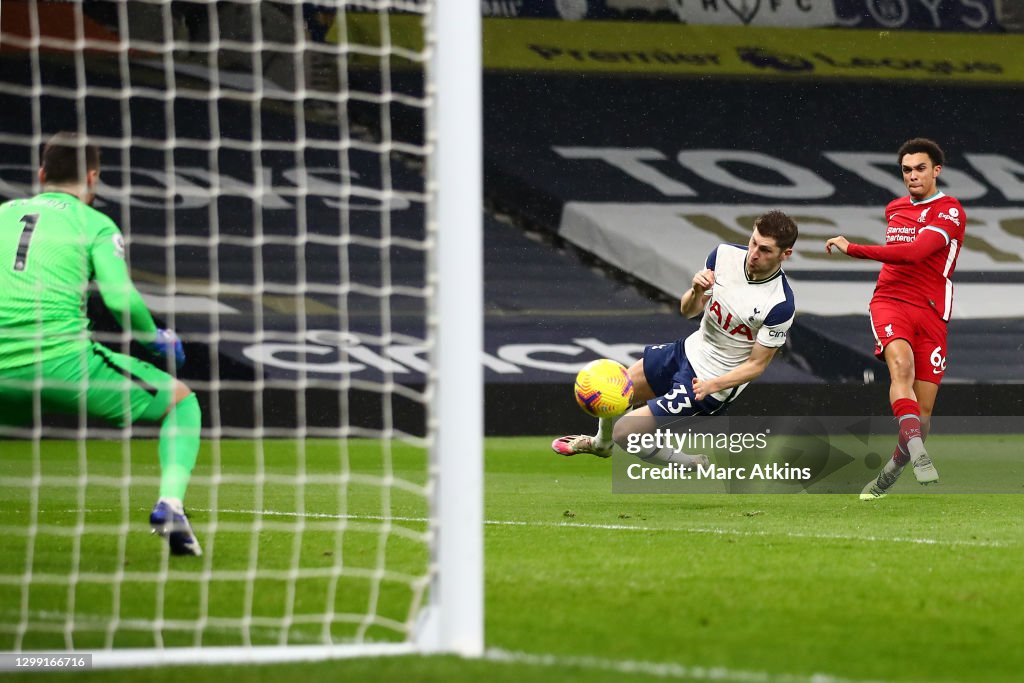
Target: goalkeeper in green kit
[(51, 247)]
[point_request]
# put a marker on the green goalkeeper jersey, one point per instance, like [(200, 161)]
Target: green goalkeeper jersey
[(51, 246)]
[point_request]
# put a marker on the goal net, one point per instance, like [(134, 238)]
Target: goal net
[(299, 189)]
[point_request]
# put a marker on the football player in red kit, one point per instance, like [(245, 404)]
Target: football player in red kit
[(912, 302)]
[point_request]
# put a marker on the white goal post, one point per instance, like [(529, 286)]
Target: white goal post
[(459, 158), (300, 187)]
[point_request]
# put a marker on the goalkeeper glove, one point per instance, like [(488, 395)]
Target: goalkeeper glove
[(166, 344)]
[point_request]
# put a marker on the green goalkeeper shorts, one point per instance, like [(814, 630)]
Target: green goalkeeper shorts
[(116, 387)]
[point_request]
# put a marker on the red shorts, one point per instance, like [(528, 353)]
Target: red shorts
[(921, 327)]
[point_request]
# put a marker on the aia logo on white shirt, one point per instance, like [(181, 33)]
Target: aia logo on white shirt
[(728, 323), (924, 215)]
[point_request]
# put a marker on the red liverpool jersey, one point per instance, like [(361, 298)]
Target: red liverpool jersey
[(922, 241)]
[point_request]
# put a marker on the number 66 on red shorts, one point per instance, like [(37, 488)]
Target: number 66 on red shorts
[(921, 327)]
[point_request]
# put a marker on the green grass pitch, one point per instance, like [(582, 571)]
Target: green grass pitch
[(581, 584)]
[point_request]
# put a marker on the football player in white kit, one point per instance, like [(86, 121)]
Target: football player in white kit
[(748, 307)]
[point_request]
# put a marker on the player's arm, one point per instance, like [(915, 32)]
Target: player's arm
[(747, 371), (122, 299), (696, 298), (929, 240)]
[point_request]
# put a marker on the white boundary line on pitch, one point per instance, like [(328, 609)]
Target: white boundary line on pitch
[(662, 669), (615, 527), (630, 527)]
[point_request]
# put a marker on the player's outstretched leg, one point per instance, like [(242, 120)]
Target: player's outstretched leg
[(671, 456), (599, 445), (175, 408), (581, 443), (169, 521), (879, 486)]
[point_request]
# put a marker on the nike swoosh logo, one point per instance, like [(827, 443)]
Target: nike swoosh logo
[(937, 372)]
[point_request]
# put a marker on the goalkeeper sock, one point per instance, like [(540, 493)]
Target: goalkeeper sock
[(179, 446), (605, 428), (175, 503)]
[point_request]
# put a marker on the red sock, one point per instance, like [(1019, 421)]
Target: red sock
[(900, 457), (908, 413)]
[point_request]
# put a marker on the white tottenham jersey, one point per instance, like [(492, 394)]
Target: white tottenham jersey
[(738, 313)]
